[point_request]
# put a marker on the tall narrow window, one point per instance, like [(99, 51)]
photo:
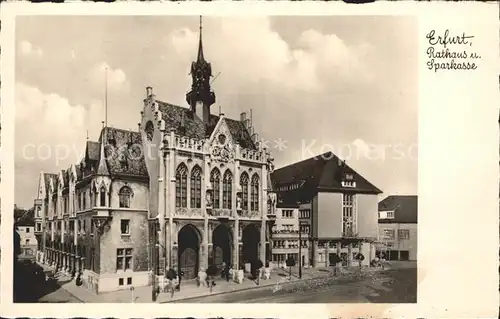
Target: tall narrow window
[(80, 202), (181, 186), (244, 191), (124, 196), (227, 190), (254, 196), (84, 200), (196, 187), (348, 214), (215, 180), (96, 196), (103, 196)]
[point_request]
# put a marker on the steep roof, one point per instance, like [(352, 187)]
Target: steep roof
[(405, 209), (186, 123), (47, 177), (320, 173), (119, 148)]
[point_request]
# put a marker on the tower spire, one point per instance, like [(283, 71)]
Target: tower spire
[(201, 58)]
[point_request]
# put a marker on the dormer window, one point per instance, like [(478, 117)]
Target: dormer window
[(386, 214), (348, 180)]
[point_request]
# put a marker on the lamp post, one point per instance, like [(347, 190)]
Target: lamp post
[(300, 249), (154, 260)]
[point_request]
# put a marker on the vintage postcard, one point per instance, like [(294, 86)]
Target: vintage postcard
[(293, 155)]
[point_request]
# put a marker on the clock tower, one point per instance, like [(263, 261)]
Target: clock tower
[(201, 97)]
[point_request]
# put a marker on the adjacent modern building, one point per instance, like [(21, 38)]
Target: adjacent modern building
[(337, 207), (398, 229), (288, 233), (188, 189)]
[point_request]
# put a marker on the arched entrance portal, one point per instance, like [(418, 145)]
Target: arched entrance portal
[(189, 247), (251, 240), (221, 239)]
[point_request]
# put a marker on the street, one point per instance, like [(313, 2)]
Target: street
[(390, 286), (30, 286)]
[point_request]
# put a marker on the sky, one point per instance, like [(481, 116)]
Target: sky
[(314, 84)]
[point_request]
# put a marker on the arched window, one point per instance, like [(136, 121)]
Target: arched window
[(196, 187), (150, 130), (215, 180), (244, 191), (254, 196), (94, 196), (181, 186), (102, 196), (124, 196), (227, 190)]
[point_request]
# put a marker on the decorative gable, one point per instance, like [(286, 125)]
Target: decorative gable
[(222, 145)]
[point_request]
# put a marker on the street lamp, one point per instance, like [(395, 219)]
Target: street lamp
[(154, 260), (300, 248)]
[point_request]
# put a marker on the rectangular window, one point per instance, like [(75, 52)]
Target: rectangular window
[(390, 215), (38, 227), (120, 282), (123, 259), (287, 213), (129, 280), (305, 229), (27, 229), (388, 233), (125, 226), (27, 241), (404, 234), (84, 200)]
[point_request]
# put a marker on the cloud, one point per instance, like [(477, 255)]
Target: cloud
[(37, 111), (294, 67), (328, 84), (116, 78), (28, 49)]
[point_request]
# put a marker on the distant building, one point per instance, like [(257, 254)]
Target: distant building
[(27, 239), (285, 235), (337, 206), (398, 227)]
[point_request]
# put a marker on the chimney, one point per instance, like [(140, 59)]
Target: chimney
[(139, 125), (149, 91)]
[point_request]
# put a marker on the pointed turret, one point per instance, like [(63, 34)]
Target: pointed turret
[(201, 97)]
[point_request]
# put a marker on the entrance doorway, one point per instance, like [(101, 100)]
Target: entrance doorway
[(222, 240), (251, 240), (189, 247), (404, 255)]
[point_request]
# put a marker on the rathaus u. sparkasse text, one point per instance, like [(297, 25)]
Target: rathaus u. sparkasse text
[(188, 190)]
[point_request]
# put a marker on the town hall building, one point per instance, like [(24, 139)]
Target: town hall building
[(188, 190)]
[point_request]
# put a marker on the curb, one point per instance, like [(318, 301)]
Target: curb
[(238, 290)]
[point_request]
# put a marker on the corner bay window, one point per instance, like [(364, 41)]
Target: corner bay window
[(123, 259)]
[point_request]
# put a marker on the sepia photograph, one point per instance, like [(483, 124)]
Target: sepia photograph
[(212, 159), (193, 198)]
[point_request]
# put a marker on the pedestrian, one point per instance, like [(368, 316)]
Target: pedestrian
[(226, 272), (231, 273), (173, 285), (223, 270), (181, 274)]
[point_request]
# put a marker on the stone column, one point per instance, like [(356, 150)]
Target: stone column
[(210, 245), (263, 209), (171, 202), (236, 244), (204, 184)]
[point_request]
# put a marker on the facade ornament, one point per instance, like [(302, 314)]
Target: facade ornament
[(101, 223)]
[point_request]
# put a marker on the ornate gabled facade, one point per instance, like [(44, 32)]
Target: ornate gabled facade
[(96, 211), (188, 190), (208, 181)]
